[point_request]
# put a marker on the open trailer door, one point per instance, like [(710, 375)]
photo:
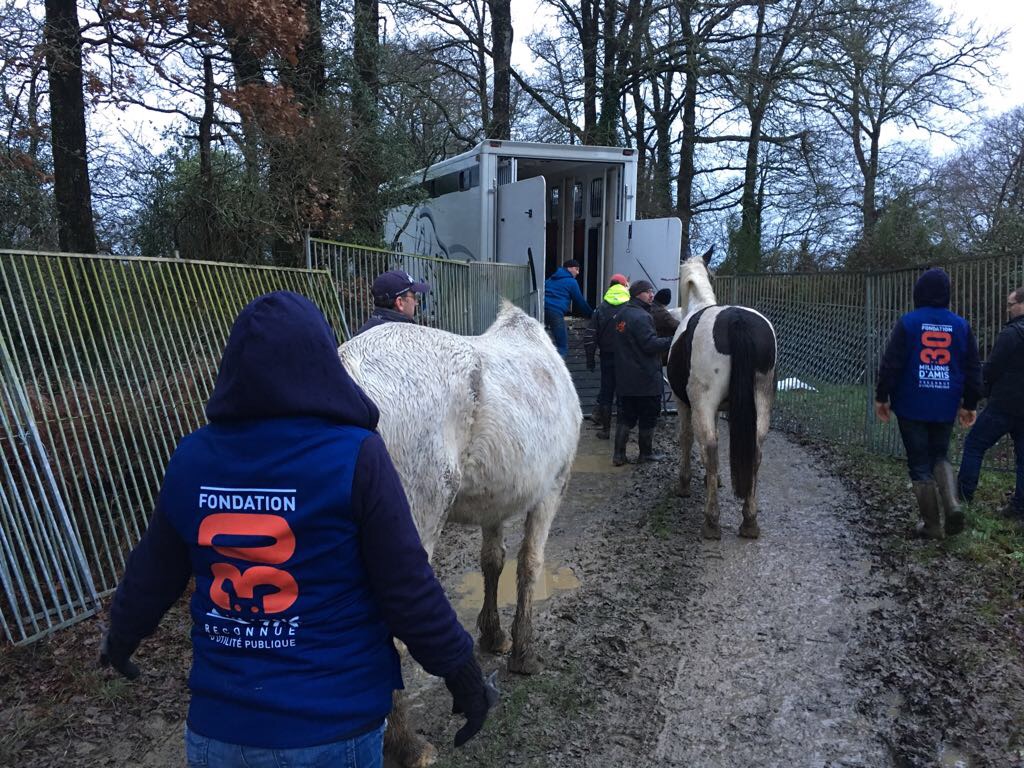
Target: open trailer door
[(648, 249), (521, 232)]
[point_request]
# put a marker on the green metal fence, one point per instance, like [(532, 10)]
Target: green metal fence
[(464, 296), (104, 364), (833, 327)]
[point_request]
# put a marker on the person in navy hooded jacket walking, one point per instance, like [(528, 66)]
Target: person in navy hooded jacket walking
[(560, 291), (930, 374), (288, 512)]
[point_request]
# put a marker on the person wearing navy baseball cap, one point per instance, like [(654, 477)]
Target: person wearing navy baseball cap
[(394, 299)]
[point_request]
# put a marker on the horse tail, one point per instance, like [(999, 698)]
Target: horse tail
[(742, 407)]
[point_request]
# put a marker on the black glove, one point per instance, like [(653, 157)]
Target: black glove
[(472, 696), (117, 654)]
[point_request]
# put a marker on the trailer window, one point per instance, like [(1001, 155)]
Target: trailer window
[(456, 181), (596, 198), (577, 201), (553, 194)]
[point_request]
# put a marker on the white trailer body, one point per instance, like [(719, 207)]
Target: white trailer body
[(522, 202)]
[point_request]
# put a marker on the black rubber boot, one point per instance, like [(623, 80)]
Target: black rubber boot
[(927, 496), (945, 479), (619, 450), (605, 422), (646, 441)]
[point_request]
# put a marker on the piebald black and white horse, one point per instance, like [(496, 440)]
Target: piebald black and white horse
[(722, 359)]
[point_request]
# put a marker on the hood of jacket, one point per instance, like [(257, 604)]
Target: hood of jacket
[(616, 295), (932, 289), (281, 360)]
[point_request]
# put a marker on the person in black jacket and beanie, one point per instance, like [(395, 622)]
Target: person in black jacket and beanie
[(289, 515), (638, 381), (1004, 414)]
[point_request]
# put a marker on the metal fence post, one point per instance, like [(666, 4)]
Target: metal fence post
[(869, 361)]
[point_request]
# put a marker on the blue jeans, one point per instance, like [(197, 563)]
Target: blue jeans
[(991, 425), (556, 322), (925, 442), (366, 751)]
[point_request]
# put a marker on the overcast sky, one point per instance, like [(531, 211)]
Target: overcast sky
[(528, 15)]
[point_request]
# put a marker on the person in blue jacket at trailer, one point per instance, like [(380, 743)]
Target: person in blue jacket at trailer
[(288, 512), (560, 291), (930, 374)]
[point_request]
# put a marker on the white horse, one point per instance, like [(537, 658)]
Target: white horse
[(722, 358), (481, 429)]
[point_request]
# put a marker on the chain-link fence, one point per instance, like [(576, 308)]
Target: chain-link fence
[(104, 364), (464, 295), (832, 330)]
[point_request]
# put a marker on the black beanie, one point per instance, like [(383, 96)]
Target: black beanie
[(663, 297), (639, 287)]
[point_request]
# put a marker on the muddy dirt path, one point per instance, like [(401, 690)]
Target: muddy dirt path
[(677, 651), (823, 643)]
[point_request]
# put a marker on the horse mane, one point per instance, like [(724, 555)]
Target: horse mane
[(693, 277), (512, 320)]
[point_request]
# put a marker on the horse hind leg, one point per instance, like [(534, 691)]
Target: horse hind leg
[(763, 397), (749, 529), (706, 429), (685, 449), (524, 659), (492, 560), (402, 745)]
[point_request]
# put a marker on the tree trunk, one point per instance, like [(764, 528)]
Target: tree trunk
[(748, 249), (588, 43), (67, 113), (501, 52), (605, 133), (366, 150), (308, 77), (684, 182)]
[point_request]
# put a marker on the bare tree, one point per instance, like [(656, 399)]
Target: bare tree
[(67, 133), (891, 64)]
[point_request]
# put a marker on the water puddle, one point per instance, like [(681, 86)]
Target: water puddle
[(471, 589), (893, 704), (952, 758)]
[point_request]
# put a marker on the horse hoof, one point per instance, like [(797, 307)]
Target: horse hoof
[(498, 645), (750, 531), (413, 752), (709, 531), (683, 490), (530, 664)]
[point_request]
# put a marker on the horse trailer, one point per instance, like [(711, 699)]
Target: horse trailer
[(540, 204)]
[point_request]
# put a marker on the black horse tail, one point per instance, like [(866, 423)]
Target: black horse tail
[(742, 407)]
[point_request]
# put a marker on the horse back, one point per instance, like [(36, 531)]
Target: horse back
[(702, 346)]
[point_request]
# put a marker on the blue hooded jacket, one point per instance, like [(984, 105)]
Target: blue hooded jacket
[(931, 365), (561, 290), (288, 512)]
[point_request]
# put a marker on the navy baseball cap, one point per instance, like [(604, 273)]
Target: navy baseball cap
[(392, 284)]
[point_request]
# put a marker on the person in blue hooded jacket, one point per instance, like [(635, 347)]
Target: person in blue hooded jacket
[(560, 291), (930, 374), (287, 511)]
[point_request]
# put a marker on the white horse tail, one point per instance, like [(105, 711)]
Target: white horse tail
[(742, 408)]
